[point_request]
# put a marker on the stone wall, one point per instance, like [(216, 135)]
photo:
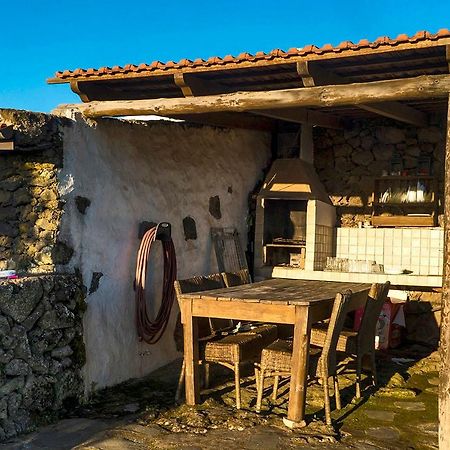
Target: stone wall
[(41, 350), (347, 161), (30, 208)]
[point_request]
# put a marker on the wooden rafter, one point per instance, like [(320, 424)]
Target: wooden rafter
[(75, 86), (433, 86), (303, 116), (314, 75)]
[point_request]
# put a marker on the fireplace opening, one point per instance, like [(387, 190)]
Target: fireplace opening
[(284, 236)]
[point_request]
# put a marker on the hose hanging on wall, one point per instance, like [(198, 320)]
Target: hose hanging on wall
[(148, 330)]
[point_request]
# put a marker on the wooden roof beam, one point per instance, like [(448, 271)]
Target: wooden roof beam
[(314, 75), (189, 85), (423, 87)]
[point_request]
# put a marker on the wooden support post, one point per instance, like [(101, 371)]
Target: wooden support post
[(444, 346), (299, 370), (190, 330)]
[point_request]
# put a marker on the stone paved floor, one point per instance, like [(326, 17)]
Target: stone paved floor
[(400, 414)]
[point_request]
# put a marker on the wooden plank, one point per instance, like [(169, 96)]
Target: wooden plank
[(244, 310), (444, 344), (436, 86), (315, 75), (403, 221)]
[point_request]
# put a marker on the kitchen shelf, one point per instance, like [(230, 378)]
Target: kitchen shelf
[(398, 213)]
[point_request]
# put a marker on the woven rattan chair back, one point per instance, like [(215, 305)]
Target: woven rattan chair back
[(336, 323), (375, 300), (236, 278)]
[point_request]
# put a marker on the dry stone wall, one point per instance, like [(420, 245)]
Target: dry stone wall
[(41, 350), (347, 161), (30, 207)]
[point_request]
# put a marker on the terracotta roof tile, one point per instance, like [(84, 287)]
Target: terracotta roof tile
[(248, 57)]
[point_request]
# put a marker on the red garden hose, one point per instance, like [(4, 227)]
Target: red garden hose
[(148, 330)]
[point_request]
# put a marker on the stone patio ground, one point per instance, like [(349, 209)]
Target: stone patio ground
[(400, 414)]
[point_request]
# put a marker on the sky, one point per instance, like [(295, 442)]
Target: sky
[(39, 37)]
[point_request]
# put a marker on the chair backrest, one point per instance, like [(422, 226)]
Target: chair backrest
[(375, 300), (206, 326), (236, 278), (229, 253), (336, 323)]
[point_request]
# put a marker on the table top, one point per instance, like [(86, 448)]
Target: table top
[(280, 291)]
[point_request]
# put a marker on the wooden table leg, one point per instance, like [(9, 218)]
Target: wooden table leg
[(299, 371), (191, 354)]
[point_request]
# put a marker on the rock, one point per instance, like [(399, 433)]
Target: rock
[(390, 135), (22, 348), (396, 381), (4, 408), (21, 197), (4, 197), (38, 364), (14, 384), (5, 357), (29, 322), (25, 300), (61, 253), (410, 406), (384, 433), (383, 152), (432, 135), (17, 367), (60, 317), (62, 352), (14, 401), (382, 415), (9, 230), (45, 224), (4, 326)]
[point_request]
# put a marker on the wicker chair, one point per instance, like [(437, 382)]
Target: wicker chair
[(230, 350), (358, 344), (268, 332), (276, 358)]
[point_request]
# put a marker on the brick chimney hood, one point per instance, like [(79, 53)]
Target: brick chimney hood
[(293, 179)]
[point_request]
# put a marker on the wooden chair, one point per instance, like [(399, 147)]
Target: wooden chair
[(189, 285), (236, 278), (276, 359), (359, 344), (230, 350)]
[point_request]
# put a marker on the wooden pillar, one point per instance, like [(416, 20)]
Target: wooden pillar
[(444, 347)]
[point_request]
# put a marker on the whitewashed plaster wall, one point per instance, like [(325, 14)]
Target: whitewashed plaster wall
[(147, 171)]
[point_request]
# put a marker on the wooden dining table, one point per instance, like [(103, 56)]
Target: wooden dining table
[(283, 301)]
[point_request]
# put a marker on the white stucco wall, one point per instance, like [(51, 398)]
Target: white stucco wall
[(146, 171)]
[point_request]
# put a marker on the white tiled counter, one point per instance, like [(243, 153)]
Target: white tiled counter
[(430, 281), (417, 249)]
